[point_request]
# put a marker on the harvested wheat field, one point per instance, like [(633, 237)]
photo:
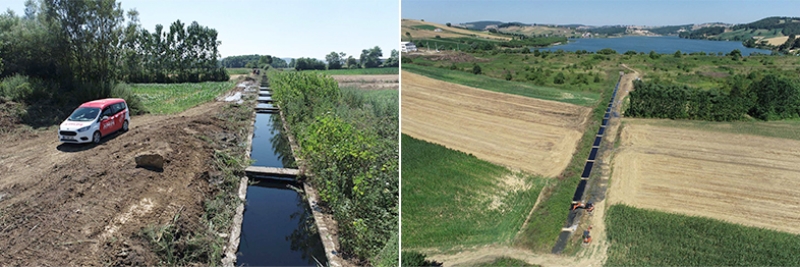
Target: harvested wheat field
[(745, 179), (529, 134), (378, 82)]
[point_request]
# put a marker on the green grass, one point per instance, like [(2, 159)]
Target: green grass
[(789, 129), (447, 197), (370, 71), (424, 27), (174, 98), (640, 237), (503, 86), (506, 261), (236, 71)]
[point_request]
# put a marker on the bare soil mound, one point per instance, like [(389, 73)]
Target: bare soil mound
[(66, 204)]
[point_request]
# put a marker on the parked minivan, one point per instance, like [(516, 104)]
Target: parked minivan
[(95, 119)]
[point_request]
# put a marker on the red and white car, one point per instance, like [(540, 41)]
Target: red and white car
[(95, 119)]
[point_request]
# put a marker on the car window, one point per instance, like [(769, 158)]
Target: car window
[(108, 111), (117, 108)]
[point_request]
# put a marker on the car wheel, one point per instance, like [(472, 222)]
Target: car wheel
[(96, 138), (125, 126)]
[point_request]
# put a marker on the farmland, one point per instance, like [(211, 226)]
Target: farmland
[(423, 30), (518, 132), (369, 82), (737, 178), (360, 71), (174, 98), (452, 199), (644, 237), (503, 86)]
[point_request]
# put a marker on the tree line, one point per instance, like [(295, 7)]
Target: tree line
[(84, 49), (370, 58), (253, 61), (761, 96)]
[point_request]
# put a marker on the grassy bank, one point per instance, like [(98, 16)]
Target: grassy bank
[(174, 98), (348, 143), (499, 85), (641, 237), (454, 199), (550, 215), (370, 71)]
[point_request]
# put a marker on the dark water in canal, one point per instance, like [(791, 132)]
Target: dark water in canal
[(278, 227)]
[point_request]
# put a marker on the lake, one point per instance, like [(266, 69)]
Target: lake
[(660, 44)]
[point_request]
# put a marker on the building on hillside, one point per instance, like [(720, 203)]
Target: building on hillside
[(407, 47)]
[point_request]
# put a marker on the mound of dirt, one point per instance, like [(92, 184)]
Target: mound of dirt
[(88, 204)]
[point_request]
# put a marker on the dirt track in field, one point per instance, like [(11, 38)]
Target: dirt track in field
[(750, 180), (374, 82), (74, 205), (523, 133)]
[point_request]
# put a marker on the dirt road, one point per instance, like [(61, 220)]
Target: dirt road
[(523, 133), (87, 204)]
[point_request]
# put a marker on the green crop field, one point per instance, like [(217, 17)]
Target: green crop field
[(503, 86), (642, 237), (454, 199), (236, 71), (425, 27), (370, 71), (174, 98)]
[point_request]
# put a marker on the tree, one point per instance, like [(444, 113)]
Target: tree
[(508, 76), (677, 54), (393, 60), (559, 78), (654, 55), (476, 69), (334, 61), (448, 24), (351, 63), (735, 54), (371, 58)]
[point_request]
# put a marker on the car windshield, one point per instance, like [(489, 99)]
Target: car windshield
[(84, 114)]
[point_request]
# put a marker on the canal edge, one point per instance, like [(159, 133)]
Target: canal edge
[(229, 256), (328, 242)]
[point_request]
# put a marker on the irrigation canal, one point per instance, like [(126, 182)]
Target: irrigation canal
[(278, 227), (574, 214)]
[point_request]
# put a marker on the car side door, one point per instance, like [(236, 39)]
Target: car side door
[(107, 123), (119, 116)]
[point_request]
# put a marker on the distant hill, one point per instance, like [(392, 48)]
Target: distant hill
[(480, 25)]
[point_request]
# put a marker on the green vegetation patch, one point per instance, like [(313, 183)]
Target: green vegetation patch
[(424, 27), (177, 97), (503, 86), (454, 199), (238, 71), (508, 262), (641, 237), (789, 129), (361, 71)]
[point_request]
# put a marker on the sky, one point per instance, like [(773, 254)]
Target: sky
[(295, 28), (598, 13)]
